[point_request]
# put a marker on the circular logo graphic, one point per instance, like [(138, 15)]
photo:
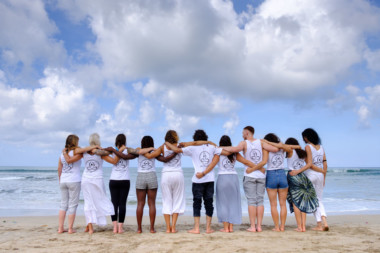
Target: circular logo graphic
[(92, 165), (173, 161), (227, 164), (67, 167), (318, 161), (204, 157), (277, 160), (255, 155), (121, 165), (146, 164), (298, 164)]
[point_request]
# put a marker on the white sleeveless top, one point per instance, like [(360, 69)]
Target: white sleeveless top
[(70, 171), (174, 164), (226, 166), (93, 166), (146, 165), (276, 161), (254, 154), (317, 158), (294, 162), (120, 171)]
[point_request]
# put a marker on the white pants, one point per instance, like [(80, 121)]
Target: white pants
[(173, 192), (317, 181)]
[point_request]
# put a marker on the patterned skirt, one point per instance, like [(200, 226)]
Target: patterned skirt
[(302, 194)]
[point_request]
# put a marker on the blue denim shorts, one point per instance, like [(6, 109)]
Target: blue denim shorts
[(276, 179)]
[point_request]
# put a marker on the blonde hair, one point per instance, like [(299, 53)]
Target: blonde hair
[(171, 136), (94, 139)]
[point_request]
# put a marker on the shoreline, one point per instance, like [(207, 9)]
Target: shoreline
[(355, 233)]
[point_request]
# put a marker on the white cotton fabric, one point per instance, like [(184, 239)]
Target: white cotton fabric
[(226, 166), (70, 171), (120, 171), (254, 154), (173, 192), (276, 160), (317, 157), (174, 164), (96, 203), (146, 165), (202, 156), (294, 162)]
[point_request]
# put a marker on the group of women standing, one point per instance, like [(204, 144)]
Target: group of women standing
[(302, 187)]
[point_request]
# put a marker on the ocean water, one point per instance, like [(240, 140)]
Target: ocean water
[(34, 191)]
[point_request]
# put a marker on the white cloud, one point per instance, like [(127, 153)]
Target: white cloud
[(231, 124)]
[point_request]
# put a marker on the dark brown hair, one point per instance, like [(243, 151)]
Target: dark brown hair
[(120, 140), (300, 152), (171, 136), (225, 141), (250, 128), (147, 142), (71, 142)]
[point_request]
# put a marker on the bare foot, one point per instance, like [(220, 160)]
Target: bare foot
[(282, 229), (251, 229), (152, 230), (326, 228), (209, 231), (168, 230), (224, 230), (91, 231), (259, 229), (174, 230), (139, 231), (115, 230), (298, 229), (72, 231), (231, 230), (60, 231), (120, 231), (276, 229), (87, 229), (317, 229), (193, 231)]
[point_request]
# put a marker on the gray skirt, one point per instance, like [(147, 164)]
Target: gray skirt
[(228, 199)]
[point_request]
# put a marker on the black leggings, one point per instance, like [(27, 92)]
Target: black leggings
[(119, 193)]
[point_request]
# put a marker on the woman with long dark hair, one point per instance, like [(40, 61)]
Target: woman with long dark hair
[(119, 182), (317, 173), (301, 196), (228, 198)]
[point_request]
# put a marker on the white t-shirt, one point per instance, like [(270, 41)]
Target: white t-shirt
[(120, 171), (254, 154), (93, 166), (294, 162), (146, 165), (70, 171), (276, 160), (226, 166), (174, 164), (202, 157), (317, 157)]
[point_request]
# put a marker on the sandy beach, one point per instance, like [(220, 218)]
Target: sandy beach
[(348, 233)]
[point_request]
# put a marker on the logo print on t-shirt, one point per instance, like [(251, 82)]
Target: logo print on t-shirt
[(204, 157), (67, 167), (318, 161), (298, 164), (277, 160), (173, 161), (121, 165), (255, 155), (146, 164), (92, 165), (227, 164)]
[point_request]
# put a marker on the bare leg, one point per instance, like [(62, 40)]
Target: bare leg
[(90, 228), (325, 225), (208, 225), (282, 193), (272, 195), (195, 230), (120, 229), (303, 219), (71, 223), (297, 214), (260, 216), (152, 193), (61, 221), (252, 210), (141, 195), (175, 218), (167, 221), (225, 228), (114, 223), (231, 227)]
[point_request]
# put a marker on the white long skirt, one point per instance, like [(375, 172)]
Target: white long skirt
[(97, 206), (173, 192)]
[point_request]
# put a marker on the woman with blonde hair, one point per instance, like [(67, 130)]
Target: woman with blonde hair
[(69, 181)]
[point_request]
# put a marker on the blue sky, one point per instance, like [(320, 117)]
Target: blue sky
[(143, 67)]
